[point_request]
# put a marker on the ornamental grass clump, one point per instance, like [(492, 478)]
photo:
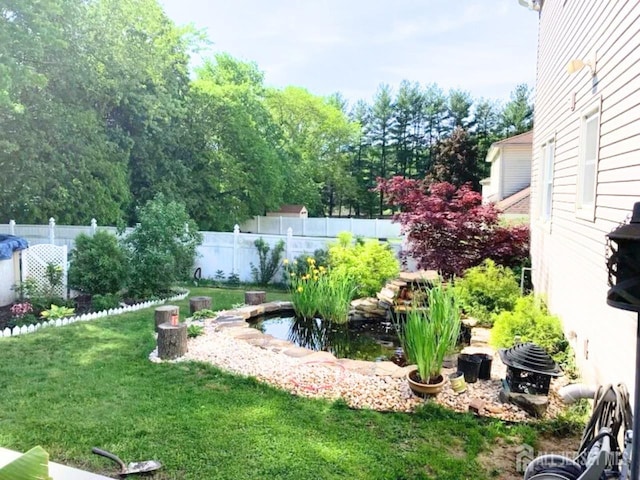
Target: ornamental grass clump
[(320, 292), (431, 332)]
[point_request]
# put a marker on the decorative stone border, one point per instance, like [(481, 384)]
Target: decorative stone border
[(23, 330), (235, 323)]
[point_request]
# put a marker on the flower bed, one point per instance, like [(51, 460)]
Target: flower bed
[(24, 329)]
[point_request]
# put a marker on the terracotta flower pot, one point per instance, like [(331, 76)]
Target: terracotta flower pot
[(423, 389)]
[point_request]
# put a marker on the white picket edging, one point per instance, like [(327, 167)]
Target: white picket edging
[(15, 331)]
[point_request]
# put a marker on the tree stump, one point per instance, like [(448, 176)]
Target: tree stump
[(255, 297), (199, 303), (163, 314), (172, 341)]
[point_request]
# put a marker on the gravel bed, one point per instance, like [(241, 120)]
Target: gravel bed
[(320, 376)]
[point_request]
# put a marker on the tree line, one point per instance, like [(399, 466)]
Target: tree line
[(99, 113)]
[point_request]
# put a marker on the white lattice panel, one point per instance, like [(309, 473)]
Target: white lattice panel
[(34, 265)]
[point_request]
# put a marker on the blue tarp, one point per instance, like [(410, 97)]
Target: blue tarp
[(9, 244)]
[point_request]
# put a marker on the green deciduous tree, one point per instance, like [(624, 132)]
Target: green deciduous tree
[(241, 171), (315, 133), (162, 248)]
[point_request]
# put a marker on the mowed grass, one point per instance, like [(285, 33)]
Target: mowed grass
[(91, 384)]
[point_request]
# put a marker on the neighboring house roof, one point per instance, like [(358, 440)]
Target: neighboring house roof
[(291, 209), (518, 203), (525, 138)]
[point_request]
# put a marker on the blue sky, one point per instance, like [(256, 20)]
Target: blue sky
[(485, 47)]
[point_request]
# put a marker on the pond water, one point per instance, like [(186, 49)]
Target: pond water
[(357, 340)]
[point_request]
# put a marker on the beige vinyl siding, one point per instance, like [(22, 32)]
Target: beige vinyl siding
[(568, 252), (516, 173)]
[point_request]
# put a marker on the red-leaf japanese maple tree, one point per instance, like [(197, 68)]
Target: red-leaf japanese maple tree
[(449, 229)]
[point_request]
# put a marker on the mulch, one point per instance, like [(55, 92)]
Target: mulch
[(82, 304)]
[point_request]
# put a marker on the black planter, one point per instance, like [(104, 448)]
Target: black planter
[(485, 366), (469, 365)]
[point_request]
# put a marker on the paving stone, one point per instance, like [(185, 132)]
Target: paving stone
[(359, 366), (319, 357), (250, 335), (228, 319), (297, 352), (236, 332), (389, 368), (271, 307), (276, 343), (240, 323)]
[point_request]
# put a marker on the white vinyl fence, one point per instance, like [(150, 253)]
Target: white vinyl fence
[(322, 227), (228, 252)]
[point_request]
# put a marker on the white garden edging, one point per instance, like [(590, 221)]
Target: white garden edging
[(15, 331)]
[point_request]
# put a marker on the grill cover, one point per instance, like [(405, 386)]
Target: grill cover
[(530, 357)]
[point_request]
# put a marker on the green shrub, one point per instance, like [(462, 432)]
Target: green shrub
[(204, 313), (299, 265), (531, 322), (487, 290), (162, 249), (233, 280), (369, 262), (43, 302), (98, 264), (105, 302), (268, 265)]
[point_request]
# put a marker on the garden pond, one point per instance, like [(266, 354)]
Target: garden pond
[(357, 340)]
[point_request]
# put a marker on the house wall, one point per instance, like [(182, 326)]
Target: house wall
[(491, 191), (516, 172), (568, 253)]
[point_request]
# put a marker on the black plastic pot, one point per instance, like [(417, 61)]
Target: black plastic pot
[(485, 366), (469, 365)]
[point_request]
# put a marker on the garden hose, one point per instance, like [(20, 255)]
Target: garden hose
[(609, 414)]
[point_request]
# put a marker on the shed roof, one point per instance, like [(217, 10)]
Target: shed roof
[(291, 209)]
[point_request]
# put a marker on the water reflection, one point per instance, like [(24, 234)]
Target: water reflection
[(356, 340)]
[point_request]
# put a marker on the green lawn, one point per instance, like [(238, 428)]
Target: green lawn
[(91, 384)]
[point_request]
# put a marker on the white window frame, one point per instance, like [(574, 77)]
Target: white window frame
[(547, 164), (586, 209)]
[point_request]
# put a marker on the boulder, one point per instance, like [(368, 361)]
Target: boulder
[(535, 405)]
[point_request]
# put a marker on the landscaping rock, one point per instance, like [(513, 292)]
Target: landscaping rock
[(420, 277), (536, 405)]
